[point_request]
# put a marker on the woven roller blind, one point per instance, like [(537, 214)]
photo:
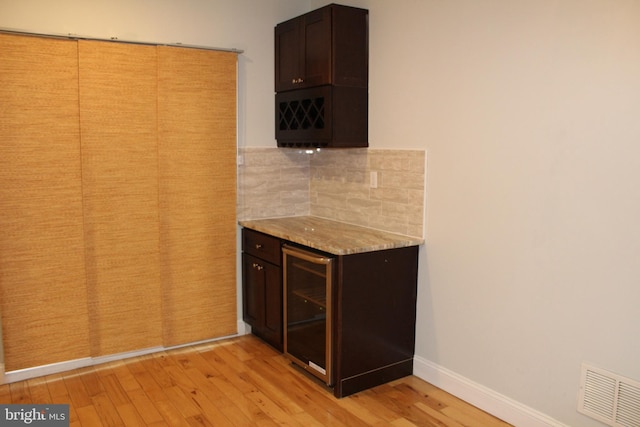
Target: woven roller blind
[(43, 298), (197, 151), (117, 197), (118, 123)]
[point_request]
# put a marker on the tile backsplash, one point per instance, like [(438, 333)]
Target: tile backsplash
[(272, 182), (335, 184)]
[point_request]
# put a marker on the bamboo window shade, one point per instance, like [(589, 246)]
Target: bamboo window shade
[(197, 103), (118, 124), (117, 197), (43, 295)]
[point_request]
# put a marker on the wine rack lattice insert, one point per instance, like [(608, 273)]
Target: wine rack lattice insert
[(301, 114)]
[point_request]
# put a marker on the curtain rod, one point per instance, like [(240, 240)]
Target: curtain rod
[(72, 36)]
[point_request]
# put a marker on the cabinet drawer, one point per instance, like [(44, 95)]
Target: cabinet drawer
[(262, 246)]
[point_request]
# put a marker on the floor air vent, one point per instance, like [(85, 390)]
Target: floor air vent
[(610, 398)]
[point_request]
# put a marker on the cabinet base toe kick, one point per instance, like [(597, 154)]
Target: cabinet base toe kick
[(365, 380)]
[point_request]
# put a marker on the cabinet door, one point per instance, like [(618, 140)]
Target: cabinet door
[(316, 51), (262, 299), (288, 55), (253, 286), (303, 51)]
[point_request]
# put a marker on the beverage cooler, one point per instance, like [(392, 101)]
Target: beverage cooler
[(307, 310)]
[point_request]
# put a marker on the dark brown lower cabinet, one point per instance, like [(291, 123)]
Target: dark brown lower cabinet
[(262, 286), (374, 310), (374, 318)]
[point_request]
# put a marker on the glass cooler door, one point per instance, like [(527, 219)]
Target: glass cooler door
[(307, 313)]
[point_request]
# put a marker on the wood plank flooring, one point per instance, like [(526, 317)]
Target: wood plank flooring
[(235, 382)]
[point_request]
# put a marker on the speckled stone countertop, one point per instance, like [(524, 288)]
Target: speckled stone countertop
[(335, 237)]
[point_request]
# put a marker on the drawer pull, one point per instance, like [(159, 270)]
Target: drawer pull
[(258, 246), (257, 266)]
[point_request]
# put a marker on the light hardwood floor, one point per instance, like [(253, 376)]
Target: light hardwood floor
[(235, 382)]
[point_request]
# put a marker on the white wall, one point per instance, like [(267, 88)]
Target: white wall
[(529, 113)]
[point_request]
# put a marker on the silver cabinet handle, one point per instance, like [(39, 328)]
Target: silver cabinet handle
[(257, 266), (258, 246)]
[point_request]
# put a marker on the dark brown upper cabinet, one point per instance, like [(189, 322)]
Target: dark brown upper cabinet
[(322, 78), (328, 46)]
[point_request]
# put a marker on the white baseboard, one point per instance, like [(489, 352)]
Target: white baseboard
[(481, 397), (54, 368), (39, 371)]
